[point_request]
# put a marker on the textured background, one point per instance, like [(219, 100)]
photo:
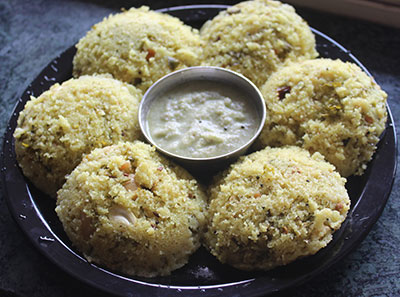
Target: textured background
[(32, 33)]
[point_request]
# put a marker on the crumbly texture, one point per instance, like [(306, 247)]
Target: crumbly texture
[(55, 129), (256, 37), (273, 207), (137, 46), (327, 106), (131, 210)]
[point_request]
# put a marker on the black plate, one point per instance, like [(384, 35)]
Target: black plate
[(204, 275)]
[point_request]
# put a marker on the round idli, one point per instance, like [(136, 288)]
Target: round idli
[(273, 207), (325, 106), (137, 46), (129, 209), (55, 129), (255, 38)]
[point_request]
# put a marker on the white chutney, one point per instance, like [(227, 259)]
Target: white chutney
[(202, 119)]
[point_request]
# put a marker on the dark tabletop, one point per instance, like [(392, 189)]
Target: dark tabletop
[(32, 33)]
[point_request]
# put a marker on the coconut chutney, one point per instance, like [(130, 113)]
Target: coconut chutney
[(202, 119)]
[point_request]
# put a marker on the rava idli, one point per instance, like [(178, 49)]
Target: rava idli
[(127, 208), (325, 106), (55, 129), (137, 46), (256, 37), (273, 207)]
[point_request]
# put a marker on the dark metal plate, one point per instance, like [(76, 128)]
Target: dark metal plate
[(204, 275)]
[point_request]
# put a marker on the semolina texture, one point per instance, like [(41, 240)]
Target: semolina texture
[(255, 38), (130, 210), (137, 46), (325, 106), (55, 129), (273, 207)]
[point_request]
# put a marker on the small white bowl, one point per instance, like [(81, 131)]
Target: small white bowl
[(233, 80)]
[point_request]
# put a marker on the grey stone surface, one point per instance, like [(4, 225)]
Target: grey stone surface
[(32, 33)]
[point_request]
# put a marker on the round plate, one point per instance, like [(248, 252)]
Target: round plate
[(203, 275)]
